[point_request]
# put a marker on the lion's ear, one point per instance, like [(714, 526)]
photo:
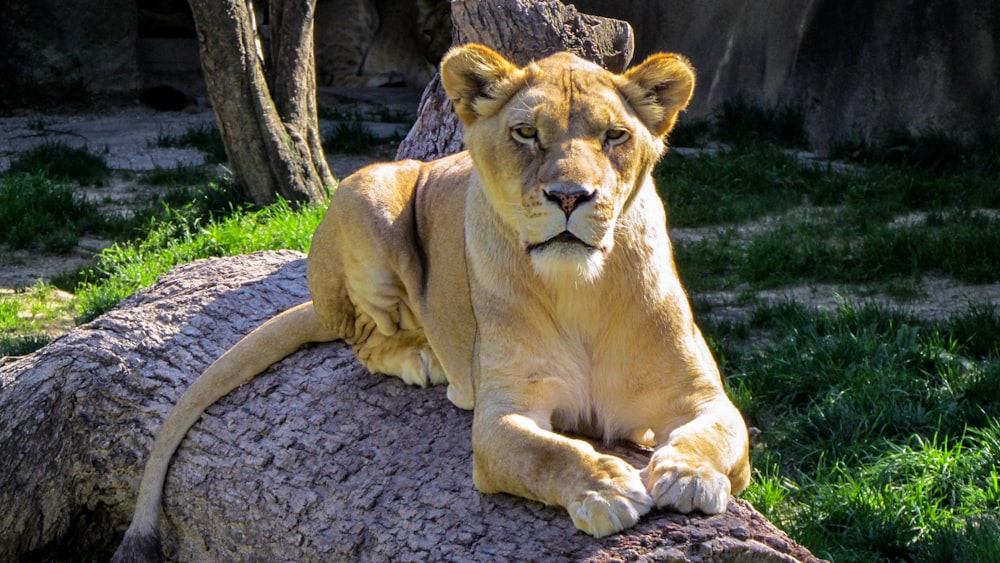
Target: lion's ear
[(473, 74), (659, 88)]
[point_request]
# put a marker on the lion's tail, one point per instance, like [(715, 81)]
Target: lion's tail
[(267, 344)]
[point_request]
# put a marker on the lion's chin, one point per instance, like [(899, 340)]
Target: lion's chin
[(566, 259)]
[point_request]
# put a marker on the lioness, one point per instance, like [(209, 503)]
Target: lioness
[(534, 276)]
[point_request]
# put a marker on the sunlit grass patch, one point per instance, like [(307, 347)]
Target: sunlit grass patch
[(30, 316), (922, 500), (879, 433), (125, 268)]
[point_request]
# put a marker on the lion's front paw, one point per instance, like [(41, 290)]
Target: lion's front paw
[(615, 504), (421, 367), (685, 487)]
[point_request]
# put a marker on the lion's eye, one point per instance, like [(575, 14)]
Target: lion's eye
[(525, 133), (616, 136)]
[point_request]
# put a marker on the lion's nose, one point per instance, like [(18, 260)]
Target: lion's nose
[(568, 195)]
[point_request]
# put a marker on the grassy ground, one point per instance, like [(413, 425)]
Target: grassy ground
[(877, 433)]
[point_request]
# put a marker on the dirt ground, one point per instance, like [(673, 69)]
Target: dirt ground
[(934, 298)]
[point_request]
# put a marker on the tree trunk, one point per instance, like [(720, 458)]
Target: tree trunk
[(314, 460), (521, 30), (269, 127)]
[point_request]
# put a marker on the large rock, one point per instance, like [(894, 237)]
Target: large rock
[(63, 42), (314, 460), (849, 65)]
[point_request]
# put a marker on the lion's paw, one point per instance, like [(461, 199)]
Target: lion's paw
[(615, 505), (683, 487), (421, 367), (435, 373)]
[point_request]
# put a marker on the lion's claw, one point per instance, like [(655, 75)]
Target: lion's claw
[(614, 508), (685, 488)]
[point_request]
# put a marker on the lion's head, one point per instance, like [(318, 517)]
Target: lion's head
[(561, 145)]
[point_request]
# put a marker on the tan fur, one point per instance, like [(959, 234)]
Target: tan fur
[(449, 272)]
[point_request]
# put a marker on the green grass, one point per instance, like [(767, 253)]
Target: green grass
[(181, 176), (124, 268), (833, 247), (35, 304), (880, 433), (26, 317), (41, 215), (879, 438), (350, 134), (844, 222), (743, 183), (382, 115), (933, 151), (741, 121), (21, 345), (188, 223), (62, 163), (192, 192), (36, 213)]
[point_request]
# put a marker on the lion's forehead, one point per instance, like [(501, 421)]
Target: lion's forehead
[(570, 97)]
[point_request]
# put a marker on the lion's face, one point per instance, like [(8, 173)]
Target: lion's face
[(561, 145)]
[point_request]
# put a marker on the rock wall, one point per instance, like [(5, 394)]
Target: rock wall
[(89, 42), (848, 65), (396, 43), (851, 66)]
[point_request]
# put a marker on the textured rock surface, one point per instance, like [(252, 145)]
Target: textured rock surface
[(849, 65), (315, 459), (90, 43)]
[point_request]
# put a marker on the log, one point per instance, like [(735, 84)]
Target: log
[(521, 30), (314, 460)]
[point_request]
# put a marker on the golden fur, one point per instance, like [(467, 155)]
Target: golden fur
[(532, 274)]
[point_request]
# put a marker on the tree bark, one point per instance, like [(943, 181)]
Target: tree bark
[(522, 30), (314, 460), (270, 127)]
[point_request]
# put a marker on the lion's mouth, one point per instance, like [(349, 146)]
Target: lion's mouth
[(564, 237)]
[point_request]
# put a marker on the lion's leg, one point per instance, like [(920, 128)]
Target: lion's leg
[(518, 453), (697, 464), (702, 445), (405, 354)]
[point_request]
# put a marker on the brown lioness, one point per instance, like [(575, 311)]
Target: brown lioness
[(532, 274)]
